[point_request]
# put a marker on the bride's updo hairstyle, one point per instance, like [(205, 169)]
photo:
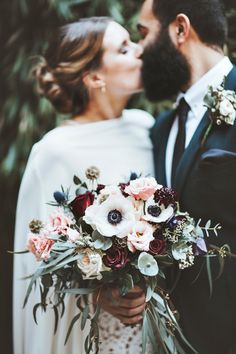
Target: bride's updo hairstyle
[(74, 50)]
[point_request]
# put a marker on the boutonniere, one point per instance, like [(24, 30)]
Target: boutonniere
[(221, 104)]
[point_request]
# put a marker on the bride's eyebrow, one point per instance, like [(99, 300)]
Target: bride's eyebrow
[(124, 43)]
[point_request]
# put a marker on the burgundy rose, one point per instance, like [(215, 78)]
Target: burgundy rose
[(80, 204), (157, 246), (165, 196), (116, 258)]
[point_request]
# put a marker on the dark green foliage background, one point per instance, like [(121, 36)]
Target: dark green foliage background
[(24, 118)]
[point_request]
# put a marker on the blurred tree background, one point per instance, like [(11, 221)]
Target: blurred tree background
[(24, 118)]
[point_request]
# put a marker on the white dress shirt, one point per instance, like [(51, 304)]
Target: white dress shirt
[(194, 96)]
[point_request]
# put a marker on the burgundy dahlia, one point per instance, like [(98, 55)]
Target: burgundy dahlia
[(165, 196), (157, 246), (80, 204), (116, 258)]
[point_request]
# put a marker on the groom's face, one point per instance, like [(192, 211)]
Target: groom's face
[(165, 69)]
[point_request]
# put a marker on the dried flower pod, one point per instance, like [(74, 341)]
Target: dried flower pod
[(92, 173), (35, 226)]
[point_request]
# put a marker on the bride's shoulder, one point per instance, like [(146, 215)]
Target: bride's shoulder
[(140, 117), (51, 144)]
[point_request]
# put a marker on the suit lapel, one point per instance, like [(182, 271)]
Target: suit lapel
[(230, 83), (162, 135), (195, 144)]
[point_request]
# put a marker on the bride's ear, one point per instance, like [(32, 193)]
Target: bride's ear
[(180, 29), (94, 80)]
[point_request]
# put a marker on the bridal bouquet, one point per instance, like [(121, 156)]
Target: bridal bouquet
[(115, 235)]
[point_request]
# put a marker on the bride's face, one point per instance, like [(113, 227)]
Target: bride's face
[(121, 63)]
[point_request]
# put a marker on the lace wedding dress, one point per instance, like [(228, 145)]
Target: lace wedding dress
[(117, 147), (117, 338)]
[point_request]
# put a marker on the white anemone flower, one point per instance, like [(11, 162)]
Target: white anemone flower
[(114, 217), (157, 213)]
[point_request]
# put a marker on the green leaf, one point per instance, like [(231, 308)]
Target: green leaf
[(144, 332), (127, 284), (35, 311), (35, 276), (77, 180), (78, 291), (56, 318), (76, 318), (85, 316), (209, 274)]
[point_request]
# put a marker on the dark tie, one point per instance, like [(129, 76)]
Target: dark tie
[(182, 113)]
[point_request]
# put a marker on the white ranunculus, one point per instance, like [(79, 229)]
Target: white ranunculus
[(227, 109), (114, 217), (157, 213), (90, 263), (140, 238)]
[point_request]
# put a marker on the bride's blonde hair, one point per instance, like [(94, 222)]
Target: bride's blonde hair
[(74, 50)]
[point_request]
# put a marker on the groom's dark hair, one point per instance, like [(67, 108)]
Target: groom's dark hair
[(206, 16)]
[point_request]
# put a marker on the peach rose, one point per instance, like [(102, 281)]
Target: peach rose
[(142, 188), (40, 246)]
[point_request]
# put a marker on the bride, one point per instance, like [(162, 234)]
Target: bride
[(90, 71)]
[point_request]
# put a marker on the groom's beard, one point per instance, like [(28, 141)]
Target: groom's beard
[(165, 70)]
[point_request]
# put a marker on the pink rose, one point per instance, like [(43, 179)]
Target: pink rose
[(140, 238), (142, 188), (40, 246), (59, 221)]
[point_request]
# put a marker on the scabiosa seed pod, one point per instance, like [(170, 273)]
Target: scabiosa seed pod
[(120, 242), (59, 197), (35, 226), (92, 173), (165, 196)]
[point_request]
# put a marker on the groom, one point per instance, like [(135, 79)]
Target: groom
[(183, 54)]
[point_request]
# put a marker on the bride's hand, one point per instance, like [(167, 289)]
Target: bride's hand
[(128, 309)]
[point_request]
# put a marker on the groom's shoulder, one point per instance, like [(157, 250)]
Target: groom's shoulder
[(162, 118)]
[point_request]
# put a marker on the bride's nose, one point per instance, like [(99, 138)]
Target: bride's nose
[(138, 50)]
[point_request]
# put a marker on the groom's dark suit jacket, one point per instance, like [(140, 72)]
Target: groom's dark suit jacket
[(206, 184)]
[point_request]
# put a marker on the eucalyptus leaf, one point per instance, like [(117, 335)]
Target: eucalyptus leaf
[(76, 318), (85, 316)]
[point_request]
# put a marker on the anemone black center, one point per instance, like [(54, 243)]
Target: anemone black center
[(154, 210), (114, 217)]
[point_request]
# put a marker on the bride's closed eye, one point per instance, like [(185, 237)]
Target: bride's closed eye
[(124, 48)]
